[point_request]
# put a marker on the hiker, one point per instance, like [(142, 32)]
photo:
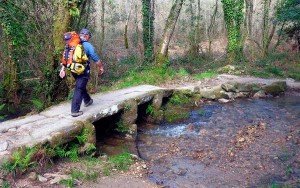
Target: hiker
[(80, 92)]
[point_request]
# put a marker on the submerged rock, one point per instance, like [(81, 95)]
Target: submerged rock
[(211, 93), (223, 100), (228, 87), (275, 88), (227, 95), (260, 94)]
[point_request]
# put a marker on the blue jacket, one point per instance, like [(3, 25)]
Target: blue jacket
[(92, 55), (90, 51)]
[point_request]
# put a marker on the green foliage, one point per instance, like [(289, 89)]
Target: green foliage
[(174, 115), (120, 162), (233, 16), (148, 31), (70, 183), (83, 137), (289, 13), (127, 107), (26, 158), (146, 76), (180, 98), (20, 161), (208, 74), (84, 175), (1, 109), (73, 153), (131, 60), (183, 72), (150, 110), (121, 127), (106, 171), (5, 184), (38, 104), (276, 65), (71, 150)]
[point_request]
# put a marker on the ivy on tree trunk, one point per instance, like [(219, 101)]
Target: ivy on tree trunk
[(148, 30), (233, 16)]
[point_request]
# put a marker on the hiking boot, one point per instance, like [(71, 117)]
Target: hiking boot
[(89, 103), (76, 114)]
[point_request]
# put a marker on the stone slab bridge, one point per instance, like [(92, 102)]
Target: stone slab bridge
[(55, 124)]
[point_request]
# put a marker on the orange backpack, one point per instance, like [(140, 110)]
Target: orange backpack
[(74, 56), (72, 39)]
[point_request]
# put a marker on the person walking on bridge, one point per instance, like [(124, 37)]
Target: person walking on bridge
[(80, 92)]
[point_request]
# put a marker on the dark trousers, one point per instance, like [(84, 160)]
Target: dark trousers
[(80, 93)]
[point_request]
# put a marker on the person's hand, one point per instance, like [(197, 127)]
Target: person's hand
[(100, 68), (62, 72)]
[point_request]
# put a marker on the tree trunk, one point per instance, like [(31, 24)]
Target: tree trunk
[(198, 35), (62, 20), (234, 16), (169, 28), (126, 26), (249, 17), (148, 30), (193, 31), (265, 27), (102, 36), (61, 23), (211, 28), (11, 83)]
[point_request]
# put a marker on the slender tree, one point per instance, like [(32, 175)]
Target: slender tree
[(102, 35), (194, 48), (211, 27), (168, 31), (126, 25), (265, 26), (249, 17)]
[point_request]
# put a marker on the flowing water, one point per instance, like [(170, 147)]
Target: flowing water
[(246, 143)]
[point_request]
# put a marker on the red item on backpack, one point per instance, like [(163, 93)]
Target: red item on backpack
[(72, 39)]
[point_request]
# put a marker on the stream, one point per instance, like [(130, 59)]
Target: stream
[(245, 143)]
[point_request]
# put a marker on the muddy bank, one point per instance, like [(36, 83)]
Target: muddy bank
[(247, 143)]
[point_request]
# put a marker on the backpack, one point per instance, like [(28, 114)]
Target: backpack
[(74, 56)]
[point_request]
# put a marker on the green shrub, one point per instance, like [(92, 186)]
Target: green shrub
[(38, 104), (275, 71), (180, 98), (120, 162), (1, 109), (121, 127), (150, 110), (70, 183), (208, 74), (20, 161)]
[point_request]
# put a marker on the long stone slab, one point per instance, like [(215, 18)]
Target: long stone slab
[(41, 128)]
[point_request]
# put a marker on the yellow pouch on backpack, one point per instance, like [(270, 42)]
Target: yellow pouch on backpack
[(79, 55), (77, 68)]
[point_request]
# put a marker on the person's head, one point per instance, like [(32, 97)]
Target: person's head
[(85, 35)]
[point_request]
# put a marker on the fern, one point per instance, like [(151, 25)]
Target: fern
[(1, 108), (121, 127), (38, 104), (150, 110), (83, 137)]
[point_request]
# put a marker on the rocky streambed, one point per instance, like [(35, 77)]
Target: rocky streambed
[(246, 143)]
